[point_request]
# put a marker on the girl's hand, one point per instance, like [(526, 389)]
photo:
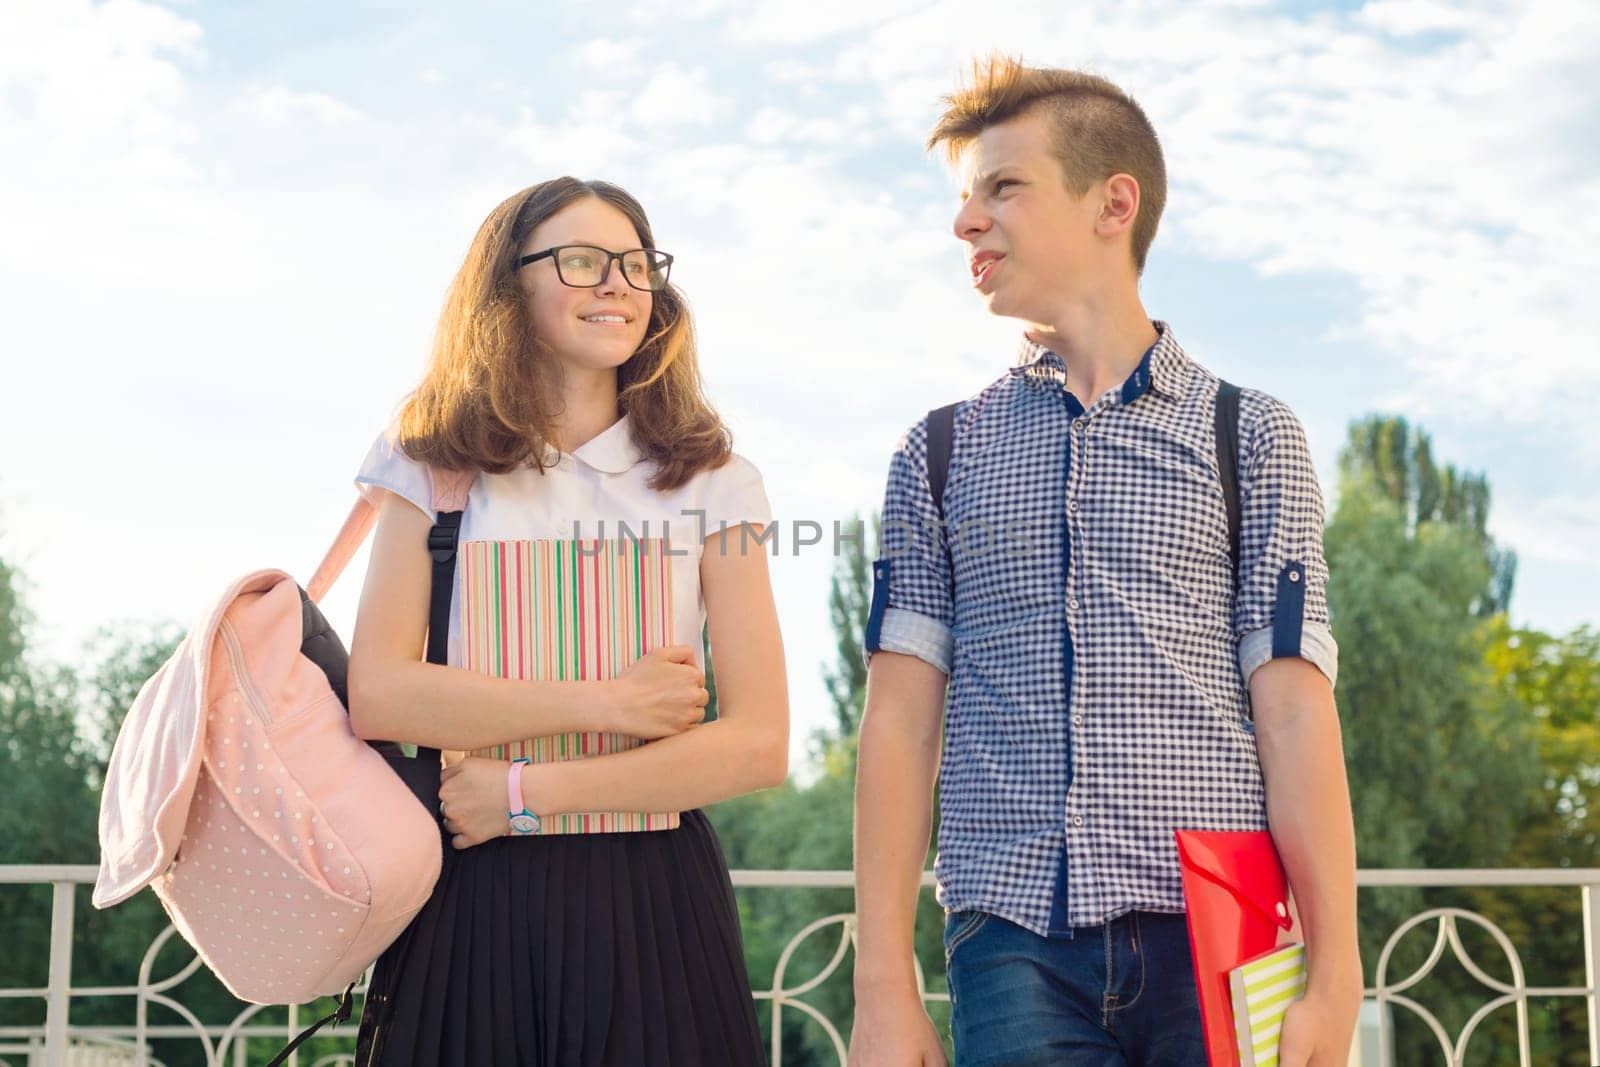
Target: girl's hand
[(661, 694), (473, 798)]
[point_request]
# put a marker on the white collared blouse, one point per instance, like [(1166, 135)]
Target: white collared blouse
[(594, 499)]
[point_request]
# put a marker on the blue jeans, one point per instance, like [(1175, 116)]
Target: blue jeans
[(1117, 995)]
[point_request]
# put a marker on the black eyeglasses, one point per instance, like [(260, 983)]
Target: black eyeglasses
[(585, 266)]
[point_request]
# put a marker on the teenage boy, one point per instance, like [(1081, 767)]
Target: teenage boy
[(1112, 676)]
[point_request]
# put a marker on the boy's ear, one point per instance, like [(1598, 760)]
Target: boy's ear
[(1119, 204)]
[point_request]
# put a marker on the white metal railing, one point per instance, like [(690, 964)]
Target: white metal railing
[(56, 1044)]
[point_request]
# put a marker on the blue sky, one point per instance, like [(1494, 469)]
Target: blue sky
[(229, 229)]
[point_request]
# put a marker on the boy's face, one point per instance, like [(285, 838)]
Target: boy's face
[(1031, 245)]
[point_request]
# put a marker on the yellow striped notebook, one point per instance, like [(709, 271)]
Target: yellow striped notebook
[(1263, 989), (566, 610)]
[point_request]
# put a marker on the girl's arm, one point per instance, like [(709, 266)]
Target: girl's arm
[(396, 696), (745, 749)]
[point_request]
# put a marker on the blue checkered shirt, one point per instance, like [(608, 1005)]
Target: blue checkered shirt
[(1080, 596)]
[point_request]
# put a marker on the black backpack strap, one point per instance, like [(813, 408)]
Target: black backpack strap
[(941, 439), (421, 772), (442, 540), (339, 1015), (1227, 425)]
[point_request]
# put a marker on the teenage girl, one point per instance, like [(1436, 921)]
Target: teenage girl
[(607, 522)]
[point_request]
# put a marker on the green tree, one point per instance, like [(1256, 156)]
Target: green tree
[(1427, 732), (48, 813), (849, 598), (1443, 759), (1558, 680), (129, 653), (1390, 457)]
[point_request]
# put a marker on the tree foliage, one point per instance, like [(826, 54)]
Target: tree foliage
[(1468, 743), (1389, 457)]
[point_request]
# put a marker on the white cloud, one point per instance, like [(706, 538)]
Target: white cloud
[(605, 53), (93, 86), (1410, 17), (851, 128), (593, 137), (793, 72), (785, 22), (280, 104), (654, 12), (674, 96), (1433, 182), (1555, 529)]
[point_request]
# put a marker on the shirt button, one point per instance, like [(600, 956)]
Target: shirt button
[(1294, 576), (1077, 820), (1072, 604), (1072, 505), (1077, 720)]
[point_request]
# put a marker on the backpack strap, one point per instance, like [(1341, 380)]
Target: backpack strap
[(354, 531), (1227, 427), (340, 1014), (450, 489), (442, 540), (941, 441)]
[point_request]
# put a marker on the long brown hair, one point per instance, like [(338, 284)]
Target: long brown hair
[(1098, 130), (491, 392)]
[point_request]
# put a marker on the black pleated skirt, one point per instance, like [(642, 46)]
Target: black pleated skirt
[(579, 950)]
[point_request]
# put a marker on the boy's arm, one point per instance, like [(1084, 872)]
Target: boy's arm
[(1308, 810), (1288, 655), (897, 765), (909, 647)]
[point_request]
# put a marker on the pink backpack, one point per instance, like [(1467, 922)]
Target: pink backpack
[(287, 850)]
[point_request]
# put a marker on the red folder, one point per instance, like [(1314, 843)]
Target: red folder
[(1238, 902)]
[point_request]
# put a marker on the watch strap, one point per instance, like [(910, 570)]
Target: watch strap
[(514, 802), (521, 819)]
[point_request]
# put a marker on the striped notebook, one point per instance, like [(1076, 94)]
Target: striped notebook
[(1262, 992), (566, 610)]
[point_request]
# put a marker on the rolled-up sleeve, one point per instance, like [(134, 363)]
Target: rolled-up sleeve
[(1282, 606), (911, 608)]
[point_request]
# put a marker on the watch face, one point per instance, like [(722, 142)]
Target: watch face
[(524, 824)]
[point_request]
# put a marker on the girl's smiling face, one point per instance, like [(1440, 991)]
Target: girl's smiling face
[(599, 327)]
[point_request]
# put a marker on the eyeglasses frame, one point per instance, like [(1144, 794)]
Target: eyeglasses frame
[(611, 257)]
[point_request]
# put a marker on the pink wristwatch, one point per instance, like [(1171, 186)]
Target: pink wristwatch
[(522, 820)]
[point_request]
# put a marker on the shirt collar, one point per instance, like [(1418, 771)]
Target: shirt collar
[(611, 451), (1164, 367)]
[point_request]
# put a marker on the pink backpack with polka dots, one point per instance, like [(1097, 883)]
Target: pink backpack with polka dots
[(286, 850)]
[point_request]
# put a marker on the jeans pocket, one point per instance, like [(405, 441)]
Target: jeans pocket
[(961, 926)]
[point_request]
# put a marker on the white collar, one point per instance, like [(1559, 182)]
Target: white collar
[(612, 450)]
